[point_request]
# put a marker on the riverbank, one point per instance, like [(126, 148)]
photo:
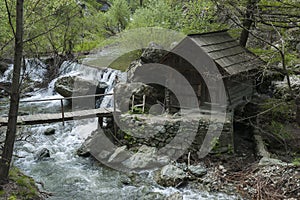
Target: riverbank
[(20, 187)]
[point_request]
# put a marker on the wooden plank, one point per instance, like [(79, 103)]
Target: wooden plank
[(220, 47), (226, 52), (57, 117)]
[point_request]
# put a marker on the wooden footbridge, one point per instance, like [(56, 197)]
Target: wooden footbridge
[(63, 116)]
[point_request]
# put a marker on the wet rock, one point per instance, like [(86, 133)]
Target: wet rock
[(49, 131), (119, 155), (175, 196), (75, 86), (85, 148), (153, 195), (5, 86), (98, 145), (145, 158), (170, 175), (43, 154), (4, 65)]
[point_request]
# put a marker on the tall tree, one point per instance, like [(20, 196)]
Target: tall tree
[(248, 21), (14, 96)]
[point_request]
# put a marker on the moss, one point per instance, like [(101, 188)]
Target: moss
[(24, 187), (2, 193)]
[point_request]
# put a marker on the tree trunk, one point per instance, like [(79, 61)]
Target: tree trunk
[(248, 21), (14, 97)]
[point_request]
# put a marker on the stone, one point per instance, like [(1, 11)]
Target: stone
[(119, 155), (265, 161), (197, 170), (5, 86), (49, 131), (170, 175), (43, 154), (124, 92), (153, 53), (4, 65), (75, 86), (175, 196), (145, 158)]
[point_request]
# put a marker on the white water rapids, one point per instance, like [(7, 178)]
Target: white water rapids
[(68, 176)]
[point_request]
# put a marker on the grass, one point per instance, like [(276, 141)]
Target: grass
[(123, 62)]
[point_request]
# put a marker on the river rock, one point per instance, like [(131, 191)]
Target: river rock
[(75, 86), (49, 131), (145, 158), (170, 175), (197, 170), (175, 196), (43, 154), (85, 148), (5, 86), (119, 155)]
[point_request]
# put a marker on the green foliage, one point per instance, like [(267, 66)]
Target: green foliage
[(26, 185), (156, 13), (278, 110), (136, 110), (279, 130), (12, 197), (215, 143), (200, 16), (296, 162), (117, 17)]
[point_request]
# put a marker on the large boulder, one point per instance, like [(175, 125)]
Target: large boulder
[(75, 86), (152, 54), (146, 158), (124, 92)]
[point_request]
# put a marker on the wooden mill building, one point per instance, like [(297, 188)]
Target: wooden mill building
[(204, 70), (207, 61)]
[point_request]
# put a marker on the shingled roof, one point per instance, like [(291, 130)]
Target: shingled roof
[(226, 52)]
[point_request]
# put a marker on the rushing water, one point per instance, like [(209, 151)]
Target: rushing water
[(68, 176)]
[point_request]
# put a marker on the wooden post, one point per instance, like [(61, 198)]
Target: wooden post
[(62, 111), (114, 114), (144, 102), (132, 103), (100, 122), (167, 100)]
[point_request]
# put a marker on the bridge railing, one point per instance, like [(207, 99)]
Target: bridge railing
[(62, 101)]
